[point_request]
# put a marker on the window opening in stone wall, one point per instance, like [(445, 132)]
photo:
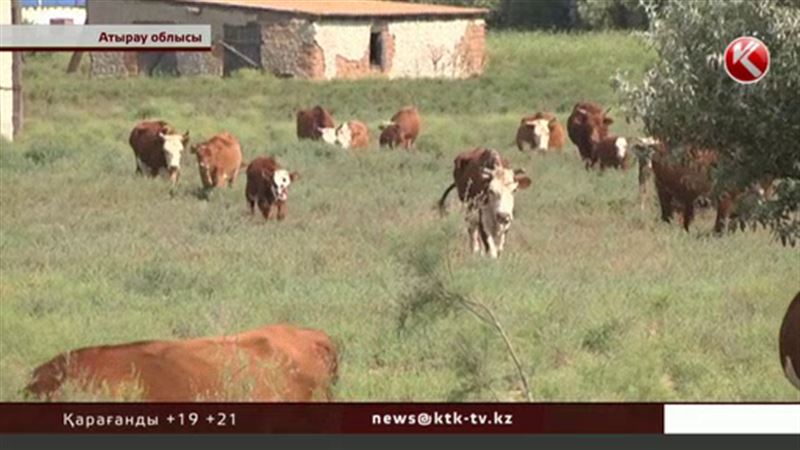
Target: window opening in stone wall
[(376, 50)]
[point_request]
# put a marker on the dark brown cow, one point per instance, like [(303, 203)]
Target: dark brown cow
[(540, 131), (310, 121), (682, 182), (157, 147), (611, 152), (403, 129), (587, 125), (272, 363), (268, 186), (219, 160), (789, 342)]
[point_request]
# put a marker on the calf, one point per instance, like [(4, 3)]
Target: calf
[(352, 134), (487, 186), (587, 125), (789, 342), (219, 160), (310, 121), (272, 363), (268, 186), (540, 131), (610, 152), (403, 129), (158, 147)]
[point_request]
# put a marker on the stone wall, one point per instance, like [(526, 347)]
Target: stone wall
[(289, 48)]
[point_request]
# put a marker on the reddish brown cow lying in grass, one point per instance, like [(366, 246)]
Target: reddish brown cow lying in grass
[(789, 342), (540, 131), (268, 186), (158, 147), (219, 160), (487, 185), (310, 121), (272, 363), (403, 129), (587, 125)]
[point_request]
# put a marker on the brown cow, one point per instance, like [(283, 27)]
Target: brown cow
[(352, 134), (219, 160), (268, 186), (272, 363), (487, 184), (587, 125), (682, 182), (733, 203), (611, 152), (309, 122), (157, 146), (403, 129), (541, 131), (789, 342)]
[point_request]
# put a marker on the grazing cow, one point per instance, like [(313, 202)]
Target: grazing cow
[(219, 160), (587, 125), (610, 152), (352, 134), (157, 146), (789, 342), (268, 186), (734, 204), (403, 129), (309, 122), (487, 185), (540, 131), (272, 363)]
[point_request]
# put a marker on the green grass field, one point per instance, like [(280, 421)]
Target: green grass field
[(600, 299)]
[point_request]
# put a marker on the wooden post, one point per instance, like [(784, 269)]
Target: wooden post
[(16, 73), (74, 62)]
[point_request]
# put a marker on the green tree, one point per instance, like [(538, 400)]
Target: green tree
[(687, 98)]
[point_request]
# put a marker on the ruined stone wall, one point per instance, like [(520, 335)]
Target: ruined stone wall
[(289, 48)]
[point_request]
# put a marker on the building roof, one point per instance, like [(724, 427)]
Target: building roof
[(345, 8)]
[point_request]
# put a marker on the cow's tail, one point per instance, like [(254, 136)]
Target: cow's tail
[(442, 209)]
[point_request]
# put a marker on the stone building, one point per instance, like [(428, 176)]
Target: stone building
[(318, 40)]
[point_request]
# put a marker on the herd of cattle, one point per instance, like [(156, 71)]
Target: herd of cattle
[(287, 363)]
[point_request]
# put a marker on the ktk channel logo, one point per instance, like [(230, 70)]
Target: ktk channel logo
[(747, 60)]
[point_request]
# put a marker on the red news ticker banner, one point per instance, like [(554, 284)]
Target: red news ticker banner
[(332, 418)]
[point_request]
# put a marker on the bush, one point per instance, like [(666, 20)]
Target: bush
[(611, 14), (688, 98)]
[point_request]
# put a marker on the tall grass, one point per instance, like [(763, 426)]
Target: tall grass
[(601, 300)]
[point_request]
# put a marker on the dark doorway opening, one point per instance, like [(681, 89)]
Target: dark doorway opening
[(242, 47), (376, 50)]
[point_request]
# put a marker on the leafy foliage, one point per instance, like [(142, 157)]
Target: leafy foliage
[(687, 98)]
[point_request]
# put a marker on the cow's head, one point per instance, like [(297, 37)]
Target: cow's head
[(390, 134), (203, 154), (279, 183), (344, 136), (498, 199), (597, 123), (173, 145), (643, 149), (540, 128), (327, 134)]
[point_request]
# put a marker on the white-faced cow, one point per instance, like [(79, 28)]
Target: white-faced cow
[(310, 121), (487, 185), (268, 186), (157, 148), (352, 134), (610, 152), (540, 131)]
